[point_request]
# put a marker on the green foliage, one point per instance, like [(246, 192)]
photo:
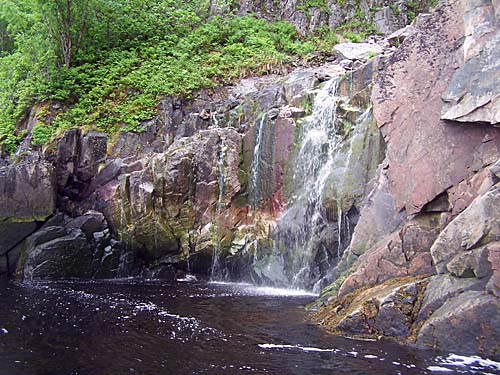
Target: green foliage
[(314, 4), (357, 31), (42, 134), (110, 61)]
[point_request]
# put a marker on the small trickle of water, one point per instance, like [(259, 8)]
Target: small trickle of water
[(256, 163), (217, 272)]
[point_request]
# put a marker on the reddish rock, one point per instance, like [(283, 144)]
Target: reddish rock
[(462, 195), (426, 155), (404, 253)]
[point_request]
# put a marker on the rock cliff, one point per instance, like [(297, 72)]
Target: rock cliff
[(436, 255)]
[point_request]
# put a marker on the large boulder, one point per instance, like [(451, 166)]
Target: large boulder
[(458, 247), (467, 323), (27, 197), (388, 309), (358, 51), (80, 247), (63, 257)]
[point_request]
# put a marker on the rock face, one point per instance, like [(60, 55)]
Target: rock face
[(27, 196), (156, 208), (310, 16), (438, 188)]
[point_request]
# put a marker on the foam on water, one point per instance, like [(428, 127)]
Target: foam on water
[(249, 289), (188, 279), (473, 362), (303, 348), (439, 369)]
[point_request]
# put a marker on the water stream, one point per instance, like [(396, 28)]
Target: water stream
[(255, 168), (307, 223), (217, 271), (153, 327)]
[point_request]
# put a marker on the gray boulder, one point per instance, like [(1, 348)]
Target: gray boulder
[(69, 256), (467, 323), (27, 196), (358, 51), (64, 248)]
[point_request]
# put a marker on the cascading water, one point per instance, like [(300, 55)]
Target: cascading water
[(256, 163), (217, 272), (305, 229)]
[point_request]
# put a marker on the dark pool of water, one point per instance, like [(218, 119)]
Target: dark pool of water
[(150, 327)]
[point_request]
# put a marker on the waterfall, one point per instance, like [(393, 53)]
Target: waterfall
[(305, 228), (217, 272), (255, 168)]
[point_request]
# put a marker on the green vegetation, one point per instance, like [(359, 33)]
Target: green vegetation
[(108, 62), (358, 29), (311, 4)]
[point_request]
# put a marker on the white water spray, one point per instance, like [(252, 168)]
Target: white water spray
[(256, 161)]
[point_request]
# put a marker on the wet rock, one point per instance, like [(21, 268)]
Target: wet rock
[(69, 256), (89, 223), (163, 272), (266, 180), (155, 208), (12, 233), (298, 83), (27, 197), (387, 309), (404, 253), (442, 288), (63, 248), (378, 219)]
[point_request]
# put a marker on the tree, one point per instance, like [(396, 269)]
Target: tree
[(67, 22), (6, 42)]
